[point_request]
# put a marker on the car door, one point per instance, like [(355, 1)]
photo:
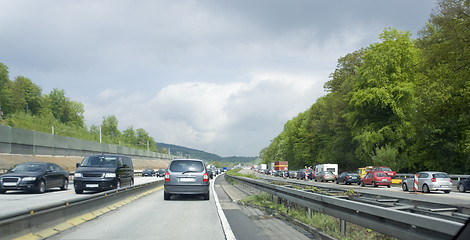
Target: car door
[(368, 178), (422, 177), (52, 176)]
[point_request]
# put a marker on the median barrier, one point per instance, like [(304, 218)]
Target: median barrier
[(49, 219)]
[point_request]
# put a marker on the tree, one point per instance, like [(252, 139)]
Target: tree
[(442, 118), (382, 101), (26, 95), (63, 109), (109, 128)]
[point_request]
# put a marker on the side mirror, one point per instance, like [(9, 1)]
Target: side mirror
[(77, 165)]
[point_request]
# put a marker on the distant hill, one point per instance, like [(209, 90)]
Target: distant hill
[(193, 153)]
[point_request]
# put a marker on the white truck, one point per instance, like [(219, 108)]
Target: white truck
[(333, 167)]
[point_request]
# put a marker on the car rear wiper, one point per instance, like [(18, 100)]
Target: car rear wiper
[(189, 171)]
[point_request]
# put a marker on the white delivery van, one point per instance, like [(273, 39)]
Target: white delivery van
[(333, 167)]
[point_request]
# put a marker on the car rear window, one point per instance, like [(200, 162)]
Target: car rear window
[(440, 175), (379, 174), (186, 165), (386, 169)]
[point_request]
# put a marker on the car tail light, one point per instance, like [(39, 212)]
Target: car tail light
[(347, 177), (450, 180), (433, 180), (167, 177), (205, 177)]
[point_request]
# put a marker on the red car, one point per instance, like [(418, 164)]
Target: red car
[(376, 178), (387, 170)]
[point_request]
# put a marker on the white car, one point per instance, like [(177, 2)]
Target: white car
[(429, 181)]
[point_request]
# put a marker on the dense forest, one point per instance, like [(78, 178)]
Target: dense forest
[(23, 105), (401, 102)]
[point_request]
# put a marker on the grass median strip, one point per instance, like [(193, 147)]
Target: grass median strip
[(83, 218)]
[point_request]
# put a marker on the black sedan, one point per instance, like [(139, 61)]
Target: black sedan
[(148, 173), (348, 178), (464, 185), (34, 177), (161, 172)]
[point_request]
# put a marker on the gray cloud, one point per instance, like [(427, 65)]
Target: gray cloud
[(222, 76)]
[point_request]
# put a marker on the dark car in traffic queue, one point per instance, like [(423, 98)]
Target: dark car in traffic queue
[(186, 177), (348, 178), (463, 185), (161, 172), (148, 172), (34, 177), (103, 172)]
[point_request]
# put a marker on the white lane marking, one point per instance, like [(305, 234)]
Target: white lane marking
[(225, 225)]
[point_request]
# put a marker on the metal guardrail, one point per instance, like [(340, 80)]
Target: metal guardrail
[(453, 176), (22, 222), (392, 222)]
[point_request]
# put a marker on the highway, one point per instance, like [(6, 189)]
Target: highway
[(151, 217)]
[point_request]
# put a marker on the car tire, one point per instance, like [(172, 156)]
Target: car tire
[(389, 186), (65, 185), (375, 184), (41, 188), (362, 184), (404, 187), (206, 196), (132, 182), (426, 188), (446, 191), (461, 188), (337, 182), (78, 191), (166, 196), (2, 191)]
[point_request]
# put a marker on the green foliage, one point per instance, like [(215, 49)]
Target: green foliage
[(235, 172), (401, 102)]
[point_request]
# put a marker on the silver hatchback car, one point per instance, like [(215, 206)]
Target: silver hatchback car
[(429, 181), (186, 176)]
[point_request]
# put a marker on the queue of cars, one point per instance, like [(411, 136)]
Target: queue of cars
[(378, 176)]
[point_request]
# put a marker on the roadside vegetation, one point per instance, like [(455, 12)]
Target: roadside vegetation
[(324, 223), (401, 102), (236, 172), (23, 105)]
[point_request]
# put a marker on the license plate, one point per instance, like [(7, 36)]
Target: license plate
[(9, 184), (91, 185), (187, 179), (444, 186), (384, 180), (354, 178)]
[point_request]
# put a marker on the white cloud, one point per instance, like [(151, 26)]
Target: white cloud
[(216, 117)]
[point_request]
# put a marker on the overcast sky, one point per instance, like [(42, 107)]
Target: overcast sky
[(219, 76)]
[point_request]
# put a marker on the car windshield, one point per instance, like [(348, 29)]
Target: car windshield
[(99, 161), (186, 166), (31, 167)]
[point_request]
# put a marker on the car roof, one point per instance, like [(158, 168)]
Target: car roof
[(42, 163)]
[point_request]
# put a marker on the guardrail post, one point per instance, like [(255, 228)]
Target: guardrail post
[(310, 212), (342, 227)]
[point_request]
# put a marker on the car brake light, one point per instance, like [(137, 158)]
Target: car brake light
[(347, 177), (167, 177), (433, 180), (205, 177), (450, 180)]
